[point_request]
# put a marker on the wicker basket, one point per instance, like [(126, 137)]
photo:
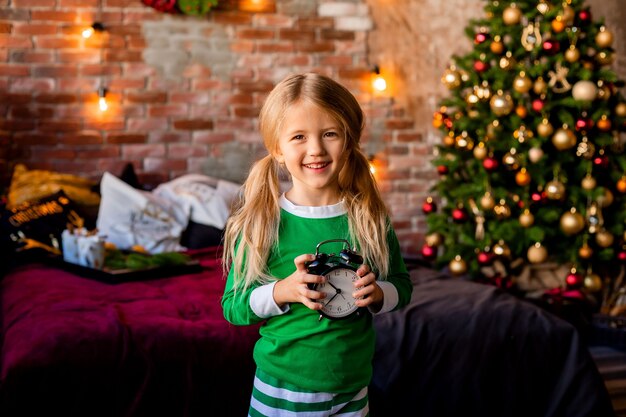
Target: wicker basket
[(609, 331)]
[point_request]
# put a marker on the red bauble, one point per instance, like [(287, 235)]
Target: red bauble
[(601, 161), (536, 197), (484, 258), (459, 215), (537, 105), (574, 279), (490, 164), (429, 252), (429, 206), (481, 66), (480, 38), (584, 124), (621, 256), (442, 169), (584, 15), (551, 46)]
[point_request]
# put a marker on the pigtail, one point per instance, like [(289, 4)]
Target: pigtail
[(252, 229), (367, 213)]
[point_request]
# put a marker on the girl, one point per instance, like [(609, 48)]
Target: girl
[(311, 126)]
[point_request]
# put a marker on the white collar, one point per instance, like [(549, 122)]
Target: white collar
[(312, 212)]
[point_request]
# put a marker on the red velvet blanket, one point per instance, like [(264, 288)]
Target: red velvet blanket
[(153, 347)]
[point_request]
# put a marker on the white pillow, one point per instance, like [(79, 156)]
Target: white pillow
[(207, 200), (128, 217)]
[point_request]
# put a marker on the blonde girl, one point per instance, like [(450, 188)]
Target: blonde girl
[(311, 126)]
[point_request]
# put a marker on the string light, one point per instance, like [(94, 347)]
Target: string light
[(378, 83), (95, 27), (102, 99)]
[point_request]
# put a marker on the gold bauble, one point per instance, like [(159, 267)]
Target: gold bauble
[(522, 83), (510, 160), (501, 104), (572, 54), (502, 210), (604, 38), (464, 142), (497, 47), (493, 130), (535, 154), (572, 222), (526, 219), (537, 253), (434, 239), (501, 249), (458, 266), (558, 25), (451, 78), (540, 86), (480, 151), (604, 58), (604, 91), (584, 90), (449, 140), (585, 149), (620, 109), (512, 15), (592, 282), (522, 178), (555, 190), (568, 15), (544, 128), (588, 183), (487, 202), (564, 139), (606, 199), (521, 111), (621, 185), (585, 251), (507, 61), (604, 238), (604, 124)]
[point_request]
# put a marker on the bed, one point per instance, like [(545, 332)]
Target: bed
[(77, 346)]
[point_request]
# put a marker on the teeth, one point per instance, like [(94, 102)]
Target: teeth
[(316, 166)]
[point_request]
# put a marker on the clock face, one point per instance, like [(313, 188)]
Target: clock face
[(338, 287)]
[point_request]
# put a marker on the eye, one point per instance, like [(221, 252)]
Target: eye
[(298, 137), (331, 134)]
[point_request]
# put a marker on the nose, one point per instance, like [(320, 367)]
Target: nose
[(316, 146)]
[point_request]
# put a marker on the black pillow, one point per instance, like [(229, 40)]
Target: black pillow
[(198, 236), (30, 229)]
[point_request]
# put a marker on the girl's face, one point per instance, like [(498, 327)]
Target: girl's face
[(311, 146)]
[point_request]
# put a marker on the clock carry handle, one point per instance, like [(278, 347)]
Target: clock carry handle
[(346, 254)]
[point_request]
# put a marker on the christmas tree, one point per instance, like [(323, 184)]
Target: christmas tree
[(531, 163)]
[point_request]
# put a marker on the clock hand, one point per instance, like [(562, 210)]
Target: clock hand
[(331, 299)]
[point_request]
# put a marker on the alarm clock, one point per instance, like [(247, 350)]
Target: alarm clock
[(340, 273)]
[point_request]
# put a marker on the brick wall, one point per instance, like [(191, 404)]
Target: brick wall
[(184, 92)]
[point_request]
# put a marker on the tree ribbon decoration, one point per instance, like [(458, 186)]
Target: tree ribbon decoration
[(480, 220)]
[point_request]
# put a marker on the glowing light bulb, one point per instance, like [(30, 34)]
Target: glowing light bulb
[(88, 32), (102, 104), (102, 99), (95, 27), (379, 83)]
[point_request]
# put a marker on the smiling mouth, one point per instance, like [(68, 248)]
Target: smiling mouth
[(318, 165)]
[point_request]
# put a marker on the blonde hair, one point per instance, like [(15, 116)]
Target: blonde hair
[(252, 229)]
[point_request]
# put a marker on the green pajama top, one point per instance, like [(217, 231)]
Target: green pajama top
[(295, 345)]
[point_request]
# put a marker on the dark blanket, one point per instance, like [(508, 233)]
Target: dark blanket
[(77, 347), (467, 349)]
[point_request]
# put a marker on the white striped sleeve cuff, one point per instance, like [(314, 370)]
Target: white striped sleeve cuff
[(262, 302)]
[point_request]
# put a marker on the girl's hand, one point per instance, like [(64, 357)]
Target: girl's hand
[(368, 293), (294, 288)]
